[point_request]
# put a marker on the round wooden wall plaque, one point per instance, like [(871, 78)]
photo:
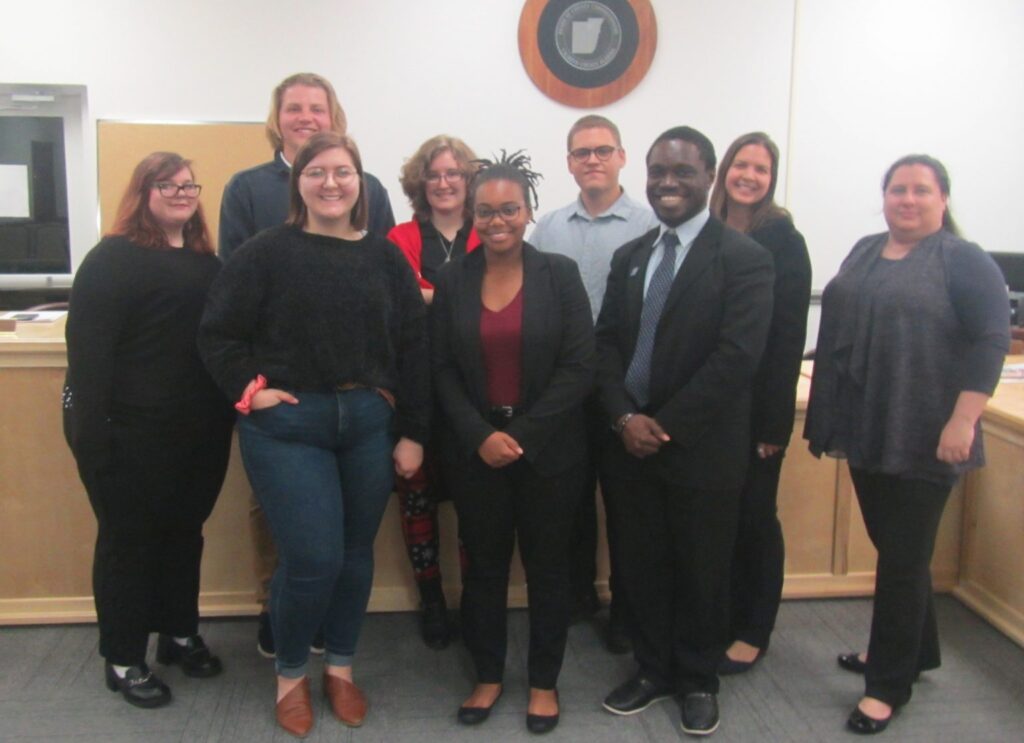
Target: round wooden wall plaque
[(587, 53)]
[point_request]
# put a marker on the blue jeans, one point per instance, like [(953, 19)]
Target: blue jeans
[(322, 470)]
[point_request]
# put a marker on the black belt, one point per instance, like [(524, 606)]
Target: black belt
[(500, 416)]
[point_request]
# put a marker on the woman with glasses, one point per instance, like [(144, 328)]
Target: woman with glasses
[(318, 330), (512, 349), (148, 427), (434, 179)]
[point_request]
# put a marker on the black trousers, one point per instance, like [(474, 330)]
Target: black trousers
[(150, 503), (583, 566), (495, 507), (760, 555), (902, 518), (675, 551)]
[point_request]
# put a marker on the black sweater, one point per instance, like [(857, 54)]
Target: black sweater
[(311, 312), (131, 339)]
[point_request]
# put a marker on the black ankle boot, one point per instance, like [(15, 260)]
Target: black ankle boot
[(434, 625)]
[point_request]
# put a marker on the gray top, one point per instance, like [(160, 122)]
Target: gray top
[(590, 241), (899, 341)]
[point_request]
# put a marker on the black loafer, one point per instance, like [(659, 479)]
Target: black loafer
[(852, 662), (700, 713), (434, 625), (476, 715), (729, 667), (636, 695), (195, 658), (139, 686), (863, 724)]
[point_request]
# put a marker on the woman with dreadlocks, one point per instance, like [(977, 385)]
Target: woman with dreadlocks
[(513, 358)]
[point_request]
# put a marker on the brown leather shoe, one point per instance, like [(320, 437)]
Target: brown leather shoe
[(295, 710), (347, 700)]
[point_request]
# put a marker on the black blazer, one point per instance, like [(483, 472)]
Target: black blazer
[(775, 383), (558, 361), (709, 341)]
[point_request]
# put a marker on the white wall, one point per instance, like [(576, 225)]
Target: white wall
[(870, 81)]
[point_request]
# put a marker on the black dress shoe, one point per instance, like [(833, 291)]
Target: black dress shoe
[(476, 715), (434, 625), (265, 637), (852, 662), (700, 713), (540, 724), (139, 686), (729, 667), (636, 695), (195, 658), (863, 724)]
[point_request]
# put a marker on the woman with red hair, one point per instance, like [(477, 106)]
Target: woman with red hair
[(149, 429)]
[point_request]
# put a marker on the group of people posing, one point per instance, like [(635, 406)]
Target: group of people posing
[(652, 350)]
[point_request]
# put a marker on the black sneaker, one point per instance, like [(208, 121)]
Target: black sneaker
[(265, 637)]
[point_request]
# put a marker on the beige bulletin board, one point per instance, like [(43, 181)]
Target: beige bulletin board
[(217, 152)]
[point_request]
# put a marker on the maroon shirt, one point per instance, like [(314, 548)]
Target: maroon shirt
[(501, 337)]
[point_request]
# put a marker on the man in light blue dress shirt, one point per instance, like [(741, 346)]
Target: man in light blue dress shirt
[(589, 230)]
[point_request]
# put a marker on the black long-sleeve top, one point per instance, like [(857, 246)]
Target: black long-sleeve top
[(311, 312), (131, 339)]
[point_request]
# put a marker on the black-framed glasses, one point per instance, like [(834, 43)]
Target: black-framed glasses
[(169, 190), (452, 176), (341, 175), (507, 211), (582, 154)]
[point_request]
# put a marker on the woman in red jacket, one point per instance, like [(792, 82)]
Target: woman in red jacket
[(441, 230)]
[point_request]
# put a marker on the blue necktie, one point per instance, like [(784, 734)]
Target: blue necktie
[(638, 376)]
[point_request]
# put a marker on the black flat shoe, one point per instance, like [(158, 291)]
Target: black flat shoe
[(194, 658), (635, 695), (863, 724), (434, 627), (729, 667), (540, 724), (139, 686), (476, 715), (852, 662)]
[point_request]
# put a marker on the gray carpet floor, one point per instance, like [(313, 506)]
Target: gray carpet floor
[(51, 687)]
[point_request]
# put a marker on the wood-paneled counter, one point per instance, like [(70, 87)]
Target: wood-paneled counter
[(47, 529)]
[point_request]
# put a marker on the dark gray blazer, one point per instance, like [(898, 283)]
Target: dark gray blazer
[(558, 361)]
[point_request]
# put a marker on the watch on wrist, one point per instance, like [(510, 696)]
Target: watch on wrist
[(621, 423)]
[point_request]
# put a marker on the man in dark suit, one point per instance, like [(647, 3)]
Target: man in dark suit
[(681, 330)]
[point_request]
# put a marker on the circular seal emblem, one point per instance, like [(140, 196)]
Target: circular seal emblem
[(588, 35), (587, 52)]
